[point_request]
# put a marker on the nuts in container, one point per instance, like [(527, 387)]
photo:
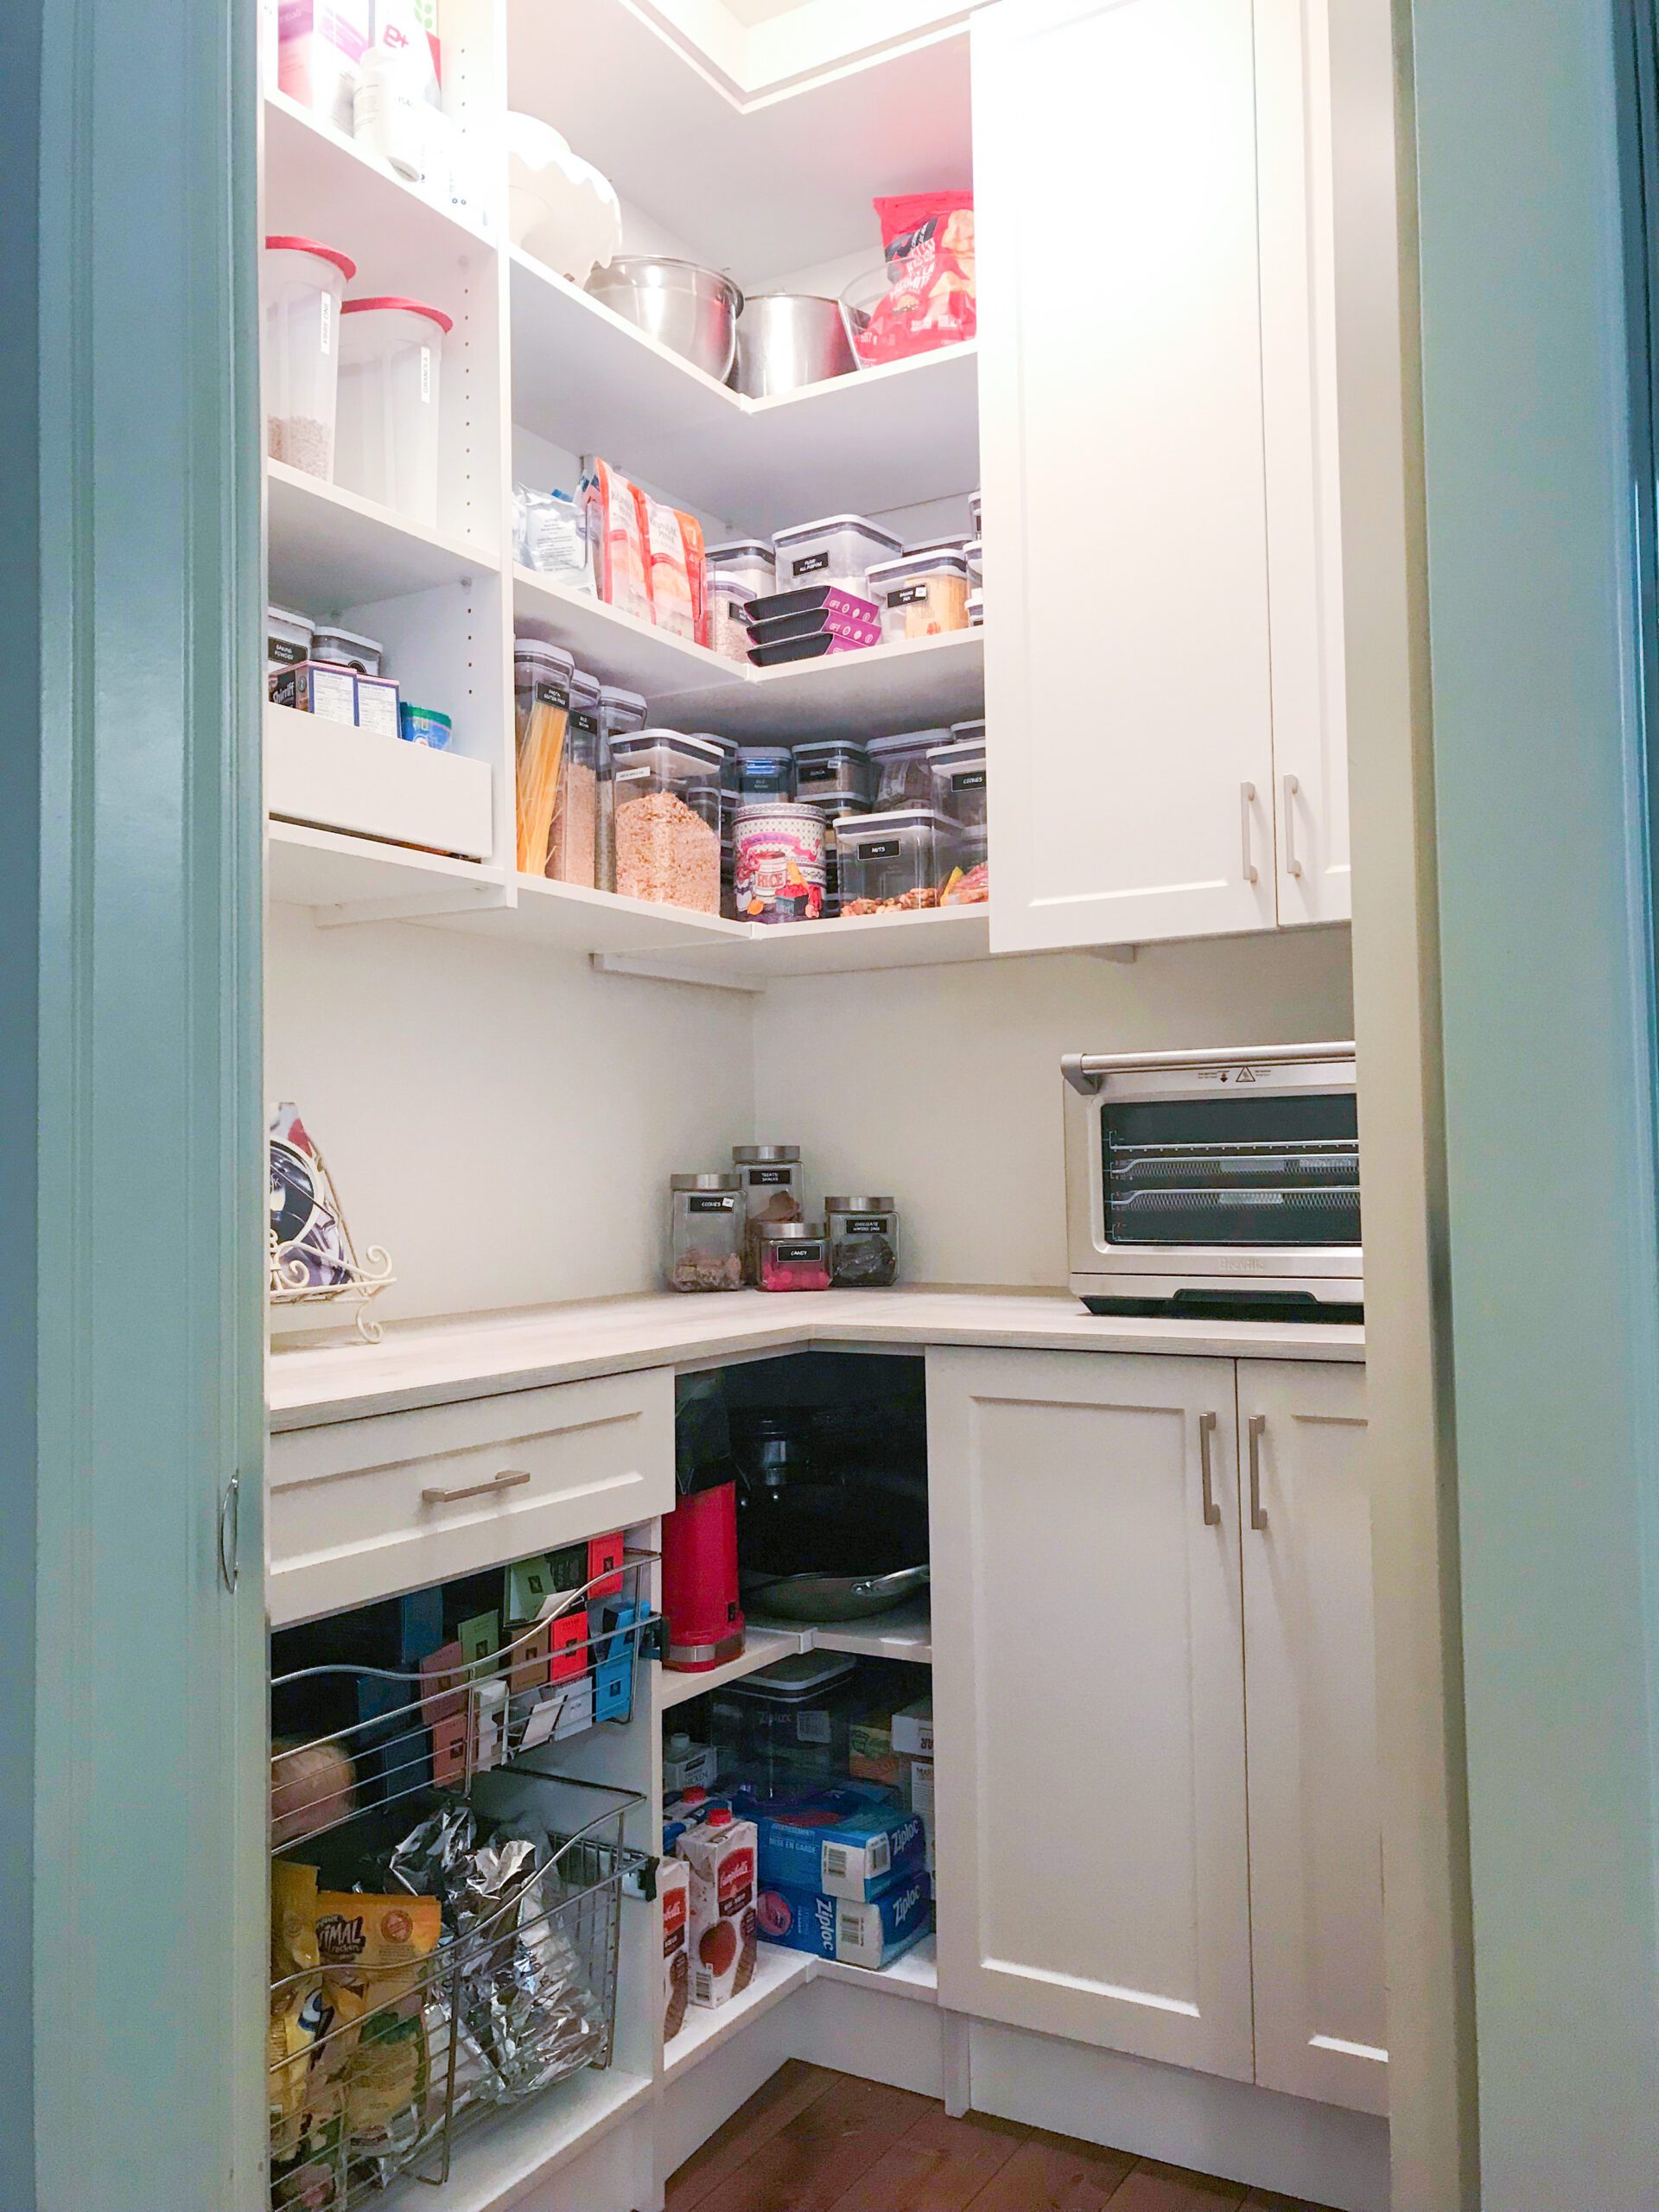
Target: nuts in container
[(665, 809), (705, 1238), (893, 864)]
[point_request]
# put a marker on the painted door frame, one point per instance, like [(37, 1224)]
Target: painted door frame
[(131, 1181), (1502, 987)]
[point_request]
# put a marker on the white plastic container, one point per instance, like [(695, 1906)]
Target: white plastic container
[(837, 552), (389, 108), (302, 287), (390, 352), (744, 561), (923, 595), (349, 647)]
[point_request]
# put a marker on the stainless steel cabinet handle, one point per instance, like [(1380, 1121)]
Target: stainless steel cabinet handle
[(1206, 1434), (1258, 1426), (1246, 801), (1293, 785), (229, 1533), (511, 1478)]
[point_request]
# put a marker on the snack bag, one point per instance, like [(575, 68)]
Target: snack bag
[(928, 243), (296, 1986), (696, 569), (374, 1951), (671, 603), (612, 511)]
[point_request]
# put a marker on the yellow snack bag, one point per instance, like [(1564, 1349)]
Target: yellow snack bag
[(296, 1986), (374, 1951), (376, 1945)]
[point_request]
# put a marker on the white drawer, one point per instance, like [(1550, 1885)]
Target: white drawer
[(366, 1509)]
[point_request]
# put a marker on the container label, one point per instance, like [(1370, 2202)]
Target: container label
[(326, 329), (288, 656), (803, 1255), (426, 376), (588, 724), (551, 692), (971, 779), (809, 564), (706, 1204), (887, 849), (762, 1179), (817, 771), (874, 1225), (908, 595), (629, 775)]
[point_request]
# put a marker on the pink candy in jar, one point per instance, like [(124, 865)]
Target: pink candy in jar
[(794, 1256)]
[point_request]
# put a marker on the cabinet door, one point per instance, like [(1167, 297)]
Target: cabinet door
[(1088, 1691), (1127, 639), (1316, 1850), (1299, 369)]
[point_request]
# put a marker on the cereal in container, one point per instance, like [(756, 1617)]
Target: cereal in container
[(666, 813), (620, 713)]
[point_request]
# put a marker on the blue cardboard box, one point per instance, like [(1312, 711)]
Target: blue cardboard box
[(841, 1841), (872, 1934)]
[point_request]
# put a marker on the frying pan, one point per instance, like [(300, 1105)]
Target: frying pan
[(831, 1597)]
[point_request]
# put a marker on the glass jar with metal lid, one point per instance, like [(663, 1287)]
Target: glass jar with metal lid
[(863, 1243), (665, 809), (772, 1180), (793, 1256), (705, 1232), (832, 768)]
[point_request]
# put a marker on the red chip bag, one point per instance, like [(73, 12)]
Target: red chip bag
[(928, 241)]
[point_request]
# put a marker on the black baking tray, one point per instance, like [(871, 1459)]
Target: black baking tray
[(815, 600), (808, 648), (810, 623)]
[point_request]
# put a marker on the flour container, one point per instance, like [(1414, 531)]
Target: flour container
[(838, 550), (301, 286), (390, 352)]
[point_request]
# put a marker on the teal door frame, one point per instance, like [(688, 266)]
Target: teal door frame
[(131, 1184), (1543, 1240)]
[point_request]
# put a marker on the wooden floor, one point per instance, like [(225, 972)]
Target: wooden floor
[(812, 2141)]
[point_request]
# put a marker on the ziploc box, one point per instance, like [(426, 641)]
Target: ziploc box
[(921, 1798), (872, 1934), (844, 1841)]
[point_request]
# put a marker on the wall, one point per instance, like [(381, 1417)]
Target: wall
[(501, 1118), (942, 1086)]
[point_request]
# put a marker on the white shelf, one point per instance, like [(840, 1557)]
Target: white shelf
[(905, 1633), (565, 918), (857, 944), (509, 2155), (778, 1972), (764, 1647), (915, 1976), (618, 648), (799, 165), (329, 550), (320, 185), (923, 684), (585, 378), (324, 868)]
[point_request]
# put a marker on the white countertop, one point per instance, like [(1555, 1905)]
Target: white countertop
[(468, 1356)]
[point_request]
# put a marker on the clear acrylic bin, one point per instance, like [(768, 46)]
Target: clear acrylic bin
[(893, 864), (666, 811)]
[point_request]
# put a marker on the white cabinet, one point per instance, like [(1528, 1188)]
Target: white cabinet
[(1089, 1700), (1120, 1860), (1163, 667), (1316, 1860)]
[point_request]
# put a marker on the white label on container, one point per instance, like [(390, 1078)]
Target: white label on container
[(726, 1205), (811, 564), (811, 1727), (426, 376), (327, 336), (907, 595)]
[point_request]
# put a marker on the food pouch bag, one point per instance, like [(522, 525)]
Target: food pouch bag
[(296, 1986), (374, 1951), (672, 606), (928, 243), (611, 505)]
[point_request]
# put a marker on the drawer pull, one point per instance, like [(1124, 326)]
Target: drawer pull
[(1258, 1511), (511, 1478), (1206, 1434)]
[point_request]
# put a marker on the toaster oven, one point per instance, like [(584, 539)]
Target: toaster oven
[(1215, 1183)]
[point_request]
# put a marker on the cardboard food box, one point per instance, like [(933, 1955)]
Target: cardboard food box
[(913, 1729), (842, 1841), (871, 1757), (721, 1854), (871, 1933), (674, 1890), (921, 1800)]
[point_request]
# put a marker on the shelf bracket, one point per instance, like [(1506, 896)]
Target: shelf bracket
[(668, 968), (419, 906), (1121, 955)]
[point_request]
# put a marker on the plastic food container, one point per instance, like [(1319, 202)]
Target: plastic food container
[(748, 561), (794, 1256), (958, 774), (665, 808), (771, 1175), (620, 713), (902, 777), (390, 352), (893, 864), (973, 509), (977, 608), (424, 726), (541, 693), (766, 771), (832, 810), (348, 647), (923, 595), (705, 1232), (838, 551), (573, 837), (301, 286), (974, 554), (778, 873), (832, 768), (790, 1722), (863, 1243), (729, 629), (287, 640)]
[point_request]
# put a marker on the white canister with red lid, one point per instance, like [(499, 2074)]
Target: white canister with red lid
[(390, 351), (302, 287)]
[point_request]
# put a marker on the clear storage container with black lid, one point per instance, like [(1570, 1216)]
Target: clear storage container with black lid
[(790, 1722), (831, 768), (899, 766), (893, 862), (766, 771), (666, 813), (620, 713), (705, 1233)]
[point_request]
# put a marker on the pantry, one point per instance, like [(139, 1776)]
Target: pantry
[(697, 1641)]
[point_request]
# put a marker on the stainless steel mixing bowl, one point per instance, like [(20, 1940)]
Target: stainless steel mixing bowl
[(693, 311), (786, 339)]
